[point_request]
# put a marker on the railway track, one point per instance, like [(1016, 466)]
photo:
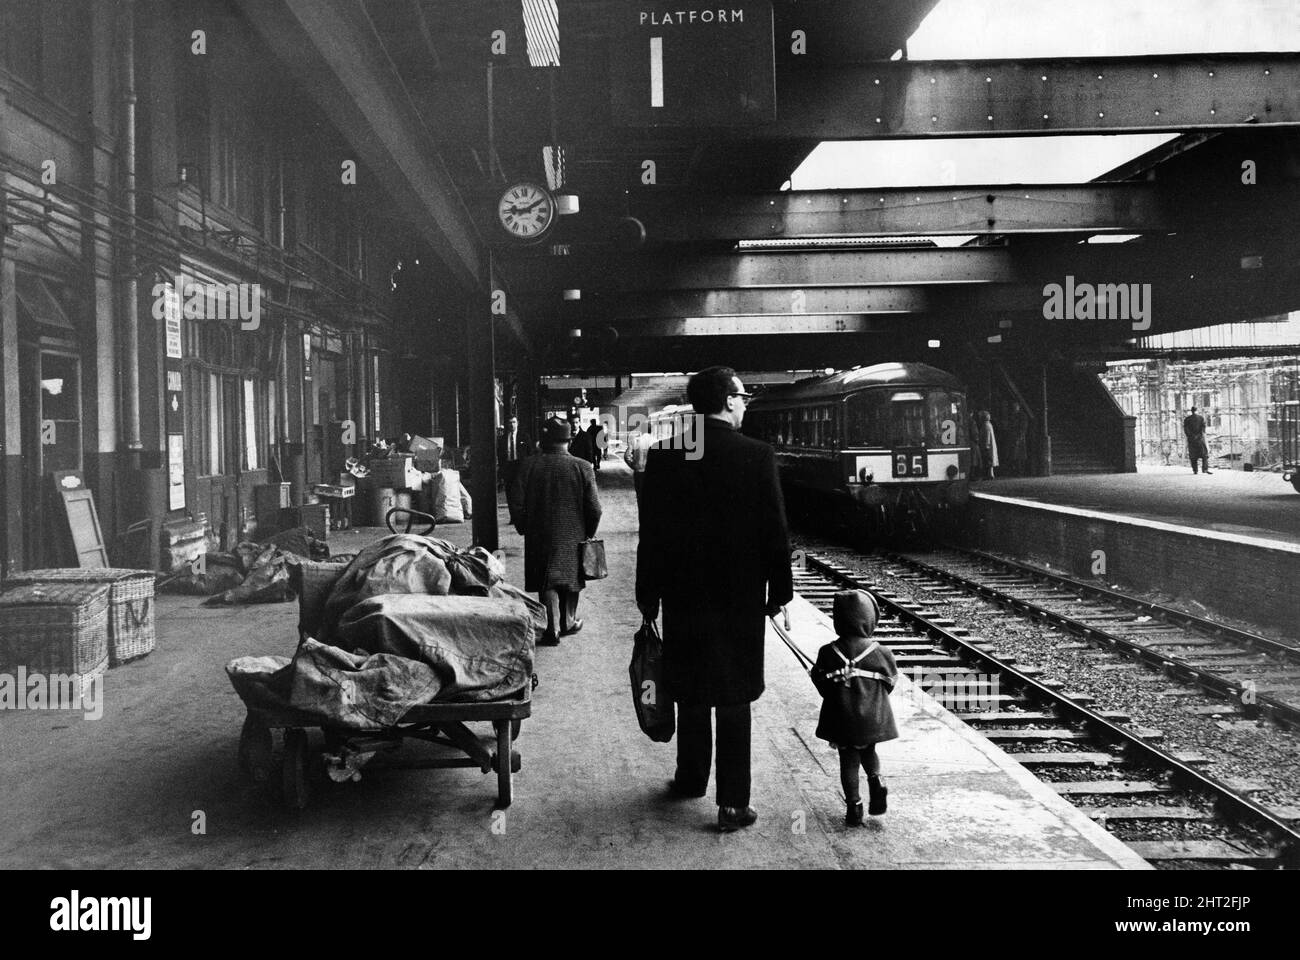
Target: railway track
[(1169, 812), (1257, 675)]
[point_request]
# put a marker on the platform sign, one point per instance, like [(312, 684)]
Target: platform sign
[(693, 64)]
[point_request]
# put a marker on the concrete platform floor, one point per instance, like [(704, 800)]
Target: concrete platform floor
[(132, 788), (1254, 505)]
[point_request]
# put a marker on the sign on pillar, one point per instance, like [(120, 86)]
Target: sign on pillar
[(693, 64)]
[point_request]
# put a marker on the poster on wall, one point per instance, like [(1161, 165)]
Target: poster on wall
[(175, 471), (172, 317)]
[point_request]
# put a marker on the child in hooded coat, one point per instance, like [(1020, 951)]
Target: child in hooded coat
[(855, 676)]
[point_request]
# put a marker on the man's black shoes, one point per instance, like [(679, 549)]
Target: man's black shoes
[(682, 792), (736, 818), (577, 626), (548, 639)]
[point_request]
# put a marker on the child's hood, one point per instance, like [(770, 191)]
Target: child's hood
[(855, 613)]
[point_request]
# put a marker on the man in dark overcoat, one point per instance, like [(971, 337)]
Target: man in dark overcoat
[(1197, 449), (555, 506), (715, 550)]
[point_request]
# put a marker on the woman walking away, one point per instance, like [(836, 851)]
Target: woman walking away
[(855, 676), (555, 507)]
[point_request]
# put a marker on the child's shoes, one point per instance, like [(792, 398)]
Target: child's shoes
[(878, 793), (853, 816)]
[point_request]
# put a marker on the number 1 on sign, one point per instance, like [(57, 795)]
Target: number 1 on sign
[(656, 71)]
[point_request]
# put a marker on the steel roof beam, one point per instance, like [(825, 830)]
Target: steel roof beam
[(948, 98), (730, 326), (862, 301), (916, 211)]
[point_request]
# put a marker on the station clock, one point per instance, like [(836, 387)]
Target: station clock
[(526, 211)]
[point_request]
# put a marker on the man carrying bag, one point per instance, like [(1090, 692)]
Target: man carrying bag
[(715, 551), (650, 693)]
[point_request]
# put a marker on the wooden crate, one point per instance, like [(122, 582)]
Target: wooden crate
[(131, 629), (399, 473), (55, 628)]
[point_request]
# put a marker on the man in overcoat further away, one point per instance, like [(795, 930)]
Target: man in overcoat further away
[(715, 551), (555, 506)]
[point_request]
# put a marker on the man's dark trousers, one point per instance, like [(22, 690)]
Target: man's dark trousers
[(695, 751)]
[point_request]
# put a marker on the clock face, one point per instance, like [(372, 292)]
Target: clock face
[(526, 211)]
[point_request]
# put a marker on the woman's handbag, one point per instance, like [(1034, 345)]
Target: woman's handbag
[(591, 558), (650, 694)]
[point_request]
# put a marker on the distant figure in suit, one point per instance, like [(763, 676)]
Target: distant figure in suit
[(715, 550), (555, 507), (512, 447), (1197, 449)]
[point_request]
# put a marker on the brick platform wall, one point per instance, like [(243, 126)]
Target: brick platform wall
[(1239, 580)]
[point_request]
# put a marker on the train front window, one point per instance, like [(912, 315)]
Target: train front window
[(948, 417), (907, 419)]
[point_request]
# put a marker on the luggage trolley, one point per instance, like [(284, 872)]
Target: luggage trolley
[(287, 767)]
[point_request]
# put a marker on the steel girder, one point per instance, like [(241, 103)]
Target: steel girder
[(942, 98)]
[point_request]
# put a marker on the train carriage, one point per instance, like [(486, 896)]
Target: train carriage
[(889, 442)]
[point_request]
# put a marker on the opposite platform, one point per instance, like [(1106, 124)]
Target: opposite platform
[(1220, 544)]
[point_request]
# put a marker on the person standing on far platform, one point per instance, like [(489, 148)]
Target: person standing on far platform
[(1197, 449), (855, 675), (715, 550), (595, 446), (987, 442), (555, 507)]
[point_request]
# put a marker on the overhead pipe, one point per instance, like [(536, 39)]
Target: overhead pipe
[(131, 308)]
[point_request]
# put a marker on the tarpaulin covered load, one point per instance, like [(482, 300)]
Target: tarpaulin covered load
[(411, 620)]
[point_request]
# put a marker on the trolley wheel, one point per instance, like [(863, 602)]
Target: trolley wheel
[(412, 518), (515, 727), (1295, 482), (255, 750), (296, 769), (505, 788)]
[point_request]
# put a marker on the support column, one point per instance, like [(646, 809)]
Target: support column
[(526, 399), (11, 448), (481, 388)]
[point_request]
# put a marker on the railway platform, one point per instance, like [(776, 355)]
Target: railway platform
[(1218, 544), (132, 788)]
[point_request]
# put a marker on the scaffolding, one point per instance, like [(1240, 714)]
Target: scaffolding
[(1244, 401)]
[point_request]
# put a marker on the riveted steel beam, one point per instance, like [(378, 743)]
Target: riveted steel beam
[(753, 326), (916, 211), (951, 98)]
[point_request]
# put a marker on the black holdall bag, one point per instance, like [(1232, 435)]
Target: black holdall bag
[(591, 558), (650, 694)]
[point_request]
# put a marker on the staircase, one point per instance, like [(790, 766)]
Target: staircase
[(1089, 430), (1073, 456), (654, 393)]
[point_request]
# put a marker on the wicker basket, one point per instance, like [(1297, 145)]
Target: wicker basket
[(55, 628), (131, 630)]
